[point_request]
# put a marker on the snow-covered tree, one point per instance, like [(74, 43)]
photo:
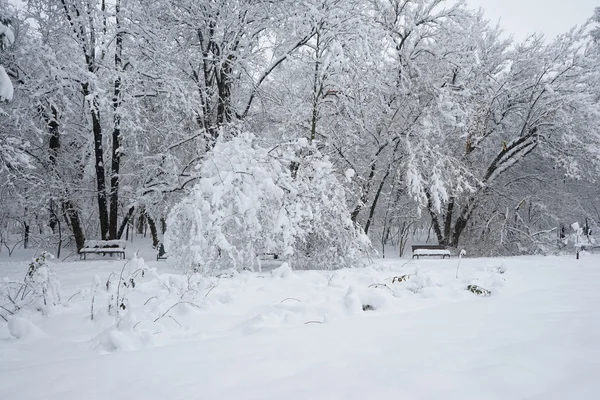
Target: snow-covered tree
[(251, 200), (7, 38)]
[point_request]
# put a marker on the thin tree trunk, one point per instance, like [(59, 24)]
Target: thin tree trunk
[(141, 222), (116, 136), (25, 235), (125, 223), (75, 223), (99, 165), (461, 221), (153, 231), (375, 200), (53, 151), (59, 247), (365, 193), (448, 220), (435, 223), (316, 93)]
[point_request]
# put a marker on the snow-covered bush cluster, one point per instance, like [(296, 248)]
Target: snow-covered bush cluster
[(251, 201), (7, 37), (40, 289)]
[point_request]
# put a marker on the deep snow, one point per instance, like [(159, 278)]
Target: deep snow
[(291, 335)]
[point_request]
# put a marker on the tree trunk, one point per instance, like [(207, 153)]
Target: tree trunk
[(70, 212), (316, 92), (74, 221), (448, 219), (53, 151), (375, 200), (116, 136), (25, 235), (125, 223), (153, 231), (365, 193), (141, 222), (435, 223), (99, 165)]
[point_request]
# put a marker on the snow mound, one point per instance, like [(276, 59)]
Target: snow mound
[(115, 339), (22, 328), (283, 272), (358, 300)]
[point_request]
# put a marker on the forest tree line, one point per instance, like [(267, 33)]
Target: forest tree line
[(432, 118)]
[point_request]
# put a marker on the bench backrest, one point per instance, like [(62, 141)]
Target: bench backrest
[(105, 244), (428, 247)]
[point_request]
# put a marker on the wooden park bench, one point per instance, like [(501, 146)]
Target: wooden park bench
[(590, 247), (103, 247), (419, 250), (161, 254)]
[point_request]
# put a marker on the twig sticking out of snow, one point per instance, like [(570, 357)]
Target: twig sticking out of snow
[(153, 297), (175, 321), (173, 306), (290, 298), (92, 309), (211, 288), (74, 295), (402, 278), (378, 285)]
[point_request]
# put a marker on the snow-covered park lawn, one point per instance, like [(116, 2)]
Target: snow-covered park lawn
[(347, 334)]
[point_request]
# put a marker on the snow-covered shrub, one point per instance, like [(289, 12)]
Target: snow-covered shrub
[(252, 200), (39, 290), (231, 214), (325, 236), (478, 290), (7, 37), (42, 280)]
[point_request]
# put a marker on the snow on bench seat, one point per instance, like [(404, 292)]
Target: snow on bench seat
[(430, 250), (423, 252), (103, 247), (105, 243)]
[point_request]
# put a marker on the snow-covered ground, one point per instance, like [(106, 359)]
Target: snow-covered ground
[(282, 334)]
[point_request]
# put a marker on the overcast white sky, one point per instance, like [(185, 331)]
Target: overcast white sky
[(522, 17)]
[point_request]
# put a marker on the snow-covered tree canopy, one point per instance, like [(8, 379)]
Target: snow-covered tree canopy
[(450, 128), (7, 38), (252, 201)]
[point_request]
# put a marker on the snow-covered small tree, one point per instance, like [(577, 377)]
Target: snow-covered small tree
[(39, 290), (324, 234), (251, 200), (230, 214), (7, 38)]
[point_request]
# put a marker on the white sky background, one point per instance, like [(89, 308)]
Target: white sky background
[(523, 17), (520, 18)]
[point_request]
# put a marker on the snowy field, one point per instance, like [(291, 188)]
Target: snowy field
[(282, 334)]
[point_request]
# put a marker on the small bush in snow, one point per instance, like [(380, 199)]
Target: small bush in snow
[(478, 290), (399, 279), (251, 201), (40, 288)]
